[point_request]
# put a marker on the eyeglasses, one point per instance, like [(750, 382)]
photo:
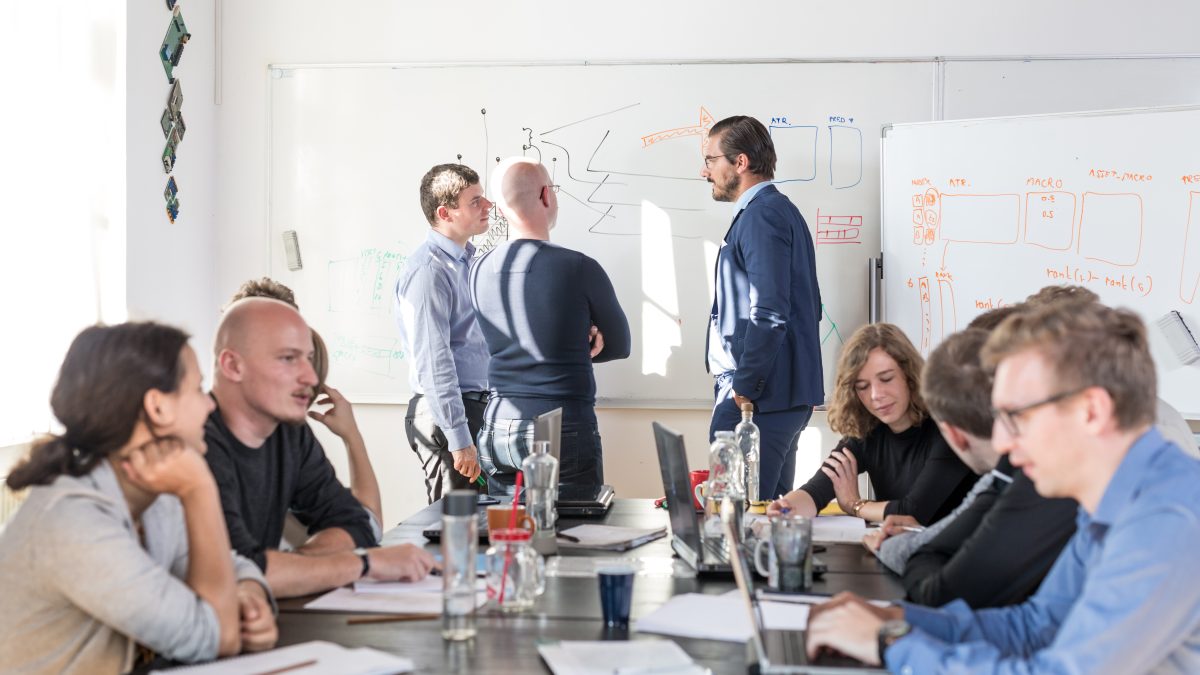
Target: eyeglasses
[(552, 188), (1008, 416), (709, 158)]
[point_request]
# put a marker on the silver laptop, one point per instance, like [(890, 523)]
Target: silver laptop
[(685, 523), (548, 427), (573, 501), (781, 651)]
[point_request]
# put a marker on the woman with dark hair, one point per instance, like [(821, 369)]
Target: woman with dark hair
[(888, 433), (121, 540)]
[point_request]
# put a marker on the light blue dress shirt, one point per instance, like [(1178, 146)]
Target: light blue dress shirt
[(719, 360), (1123, 598), (448, 355)]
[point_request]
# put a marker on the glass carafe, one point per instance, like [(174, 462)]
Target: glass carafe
[(516, 574)]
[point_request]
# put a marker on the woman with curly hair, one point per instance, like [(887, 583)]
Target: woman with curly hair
[(886, 432)]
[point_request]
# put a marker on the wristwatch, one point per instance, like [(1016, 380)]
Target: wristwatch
[(889, 632), (366, 561)]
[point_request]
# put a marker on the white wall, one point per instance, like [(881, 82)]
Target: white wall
[(171, 268), (62, 193), (310, 31)]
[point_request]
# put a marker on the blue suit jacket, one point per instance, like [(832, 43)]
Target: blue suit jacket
[(768, 305)]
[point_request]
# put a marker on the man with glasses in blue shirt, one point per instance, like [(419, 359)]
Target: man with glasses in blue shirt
[(447, 354), (1074, 400)]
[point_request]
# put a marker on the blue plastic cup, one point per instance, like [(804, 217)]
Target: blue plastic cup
[(616, 595)]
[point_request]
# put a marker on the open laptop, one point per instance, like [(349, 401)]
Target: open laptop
[(573, 501), (685, 523), (781, 651), (707, 557)]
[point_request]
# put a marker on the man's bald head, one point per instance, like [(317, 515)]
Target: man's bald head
[(264, 373), (252, 317), (523, 192)]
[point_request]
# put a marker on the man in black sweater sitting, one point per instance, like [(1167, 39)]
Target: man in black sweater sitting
[(267, 461), (997, 546), (547, 313)]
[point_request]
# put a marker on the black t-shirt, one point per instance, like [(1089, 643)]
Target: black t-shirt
[(260, 485), (996, 552), (915, 471)]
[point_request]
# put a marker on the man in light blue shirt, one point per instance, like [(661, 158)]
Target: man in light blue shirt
[(448, 358), (1074, 400)]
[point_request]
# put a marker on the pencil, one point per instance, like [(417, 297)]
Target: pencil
[(388, 618), (284, 669)]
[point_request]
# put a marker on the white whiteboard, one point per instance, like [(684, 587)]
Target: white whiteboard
[(348, 146), (981, 213)]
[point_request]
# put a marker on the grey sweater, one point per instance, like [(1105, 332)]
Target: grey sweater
[(79, 590)]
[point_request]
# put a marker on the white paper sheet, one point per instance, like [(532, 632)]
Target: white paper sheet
[(327, 659), (624, 657), (402, 602), (839, 529), (719, 617)]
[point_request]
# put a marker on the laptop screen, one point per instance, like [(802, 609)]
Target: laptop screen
[(741, 576), (548, 427), (672, 461)]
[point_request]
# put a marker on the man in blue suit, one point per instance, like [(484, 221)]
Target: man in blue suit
[(763, 344)]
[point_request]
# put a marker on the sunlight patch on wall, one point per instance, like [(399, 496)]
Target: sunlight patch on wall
[(661, 333)]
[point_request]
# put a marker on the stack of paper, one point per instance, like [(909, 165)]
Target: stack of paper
[(618, 656), (839, 529), (608, 537), (391, 597), (719, 617), (307, 658)]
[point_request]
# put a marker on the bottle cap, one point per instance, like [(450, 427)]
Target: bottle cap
[(541, 446), (747, 407), (460, 503)]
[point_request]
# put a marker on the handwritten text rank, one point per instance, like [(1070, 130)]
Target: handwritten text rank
[(1139, 285)]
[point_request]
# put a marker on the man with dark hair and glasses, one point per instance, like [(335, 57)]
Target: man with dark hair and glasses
[(448, 358), (763, 344), (548, 313), (1074, 400)]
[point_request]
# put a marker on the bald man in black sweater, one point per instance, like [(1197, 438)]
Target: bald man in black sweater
[(547, 313)]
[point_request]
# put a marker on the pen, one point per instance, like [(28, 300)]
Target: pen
[(912, 528), (568, 537), (284, 669)]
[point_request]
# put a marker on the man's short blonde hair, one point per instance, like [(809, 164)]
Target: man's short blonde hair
[(1086, 344)]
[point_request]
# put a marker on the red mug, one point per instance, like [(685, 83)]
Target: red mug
[(697, 477)]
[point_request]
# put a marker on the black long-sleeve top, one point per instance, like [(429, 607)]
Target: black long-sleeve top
[(997, 551), (536, 303), (915, 471), (288, 472)]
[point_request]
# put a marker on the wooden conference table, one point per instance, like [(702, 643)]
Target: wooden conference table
[(570, 607)]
